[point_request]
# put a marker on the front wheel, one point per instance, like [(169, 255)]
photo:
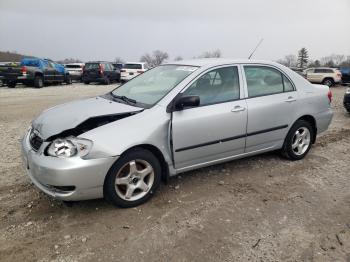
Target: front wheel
[(133, 178), (11, 84), (298, 141)]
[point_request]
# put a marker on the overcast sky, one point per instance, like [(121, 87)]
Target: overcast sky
[(105, 29)]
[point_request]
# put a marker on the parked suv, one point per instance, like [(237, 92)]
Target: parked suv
[(346, 101), (102, 72), (323, 75), (75, 70), (345, 75), (130, 70), (34, 71)]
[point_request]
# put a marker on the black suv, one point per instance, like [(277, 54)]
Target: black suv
[(102, 72), (345, 75)]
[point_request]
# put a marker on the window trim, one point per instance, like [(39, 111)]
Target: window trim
[(208, 70), (268, 66)]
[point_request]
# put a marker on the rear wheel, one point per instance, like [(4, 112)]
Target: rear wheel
[(11, 84), (68, 80), (133, 178), (107, 81), (298, 141), (38, 82), (328, 82), (86, 82)]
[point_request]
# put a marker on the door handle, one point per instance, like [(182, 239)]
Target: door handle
[(290, 99), (238, 109)]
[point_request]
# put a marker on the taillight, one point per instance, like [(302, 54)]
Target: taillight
[(139, 71), (330, 95), (24, 70), (101, 69)]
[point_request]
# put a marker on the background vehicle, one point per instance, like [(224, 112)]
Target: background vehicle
[(102, 72), (298, 70), (172, 119), (345, 75), (118, 65), (346, 101), (130, 70), (34, 72), (323, 75), (75, 70)]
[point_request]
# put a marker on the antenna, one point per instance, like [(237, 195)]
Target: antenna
[(262, 39)]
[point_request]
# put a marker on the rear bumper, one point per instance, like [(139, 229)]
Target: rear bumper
[(127, 77), (323, 120), (93, 79)]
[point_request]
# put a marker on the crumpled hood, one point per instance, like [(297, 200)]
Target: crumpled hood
[(69, 115)]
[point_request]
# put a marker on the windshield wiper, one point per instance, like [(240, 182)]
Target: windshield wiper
[(125, 98)]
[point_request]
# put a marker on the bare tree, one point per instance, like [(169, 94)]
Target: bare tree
[(157, 58), (178, 58), (288, 60), (211, 54), (303, 57), (119, 60)]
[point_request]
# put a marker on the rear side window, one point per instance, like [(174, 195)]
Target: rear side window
[(217, 86), (92, 66), (263, 80), (323, 70), (132, 66)]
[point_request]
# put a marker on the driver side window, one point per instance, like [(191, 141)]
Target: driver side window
[(217, 86)]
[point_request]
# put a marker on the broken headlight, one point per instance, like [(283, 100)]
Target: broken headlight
[(68, 147)]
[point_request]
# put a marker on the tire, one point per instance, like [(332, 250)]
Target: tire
[(107, 81), (68, 80), (134, 187), (11, 84), (86, 82), (38, 82), (294, 150), (328, 82)]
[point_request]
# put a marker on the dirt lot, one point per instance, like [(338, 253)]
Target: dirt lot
[(262, 208)]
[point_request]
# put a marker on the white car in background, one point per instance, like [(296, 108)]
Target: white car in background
[(130, 70), (75, 70), (323, 75)]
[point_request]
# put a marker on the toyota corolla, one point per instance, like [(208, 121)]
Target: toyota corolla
[(171, 119)]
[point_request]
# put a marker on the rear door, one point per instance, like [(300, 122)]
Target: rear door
[(272, 100), (217, 128), (92, 70), (49, 71)]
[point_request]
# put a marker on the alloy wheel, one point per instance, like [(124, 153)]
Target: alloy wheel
[(134, 180), (301, 141)]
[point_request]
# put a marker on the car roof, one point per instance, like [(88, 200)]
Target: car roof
[(211, 62), (139, 63)]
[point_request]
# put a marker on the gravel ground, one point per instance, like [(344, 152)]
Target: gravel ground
[(262, 208)]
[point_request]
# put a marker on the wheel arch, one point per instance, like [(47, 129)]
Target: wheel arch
[(159, 155), (310, 119)]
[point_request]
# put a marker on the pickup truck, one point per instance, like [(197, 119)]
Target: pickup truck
[(35, 72)]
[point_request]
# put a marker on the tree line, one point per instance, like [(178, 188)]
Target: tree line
[(302, 60)]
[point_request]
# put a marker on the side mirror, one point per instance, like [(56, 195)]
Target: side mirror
[(186, 101)]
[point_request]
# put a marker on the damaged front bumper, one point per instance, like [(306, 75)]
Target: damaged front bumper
[(69, 179)]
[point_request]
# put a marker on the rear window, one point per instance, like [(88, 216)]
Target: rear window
[(72, 66), (92, 66), (133, 66)]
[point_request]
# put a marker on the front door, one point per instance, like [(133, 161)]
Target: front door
[(216, 129)]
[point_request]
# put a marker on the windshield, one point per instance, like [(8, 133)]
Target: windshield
[(92, 66), (151, 86)]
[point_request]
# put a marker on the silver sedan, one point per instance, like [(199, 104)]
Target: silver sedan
[(171, 119)]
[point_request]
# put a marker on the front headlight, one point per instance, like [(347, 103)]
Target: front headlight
[(348, 90), (68, 147)]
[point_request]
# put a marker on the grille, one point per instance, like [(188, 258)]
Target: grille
[(35, 141)]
